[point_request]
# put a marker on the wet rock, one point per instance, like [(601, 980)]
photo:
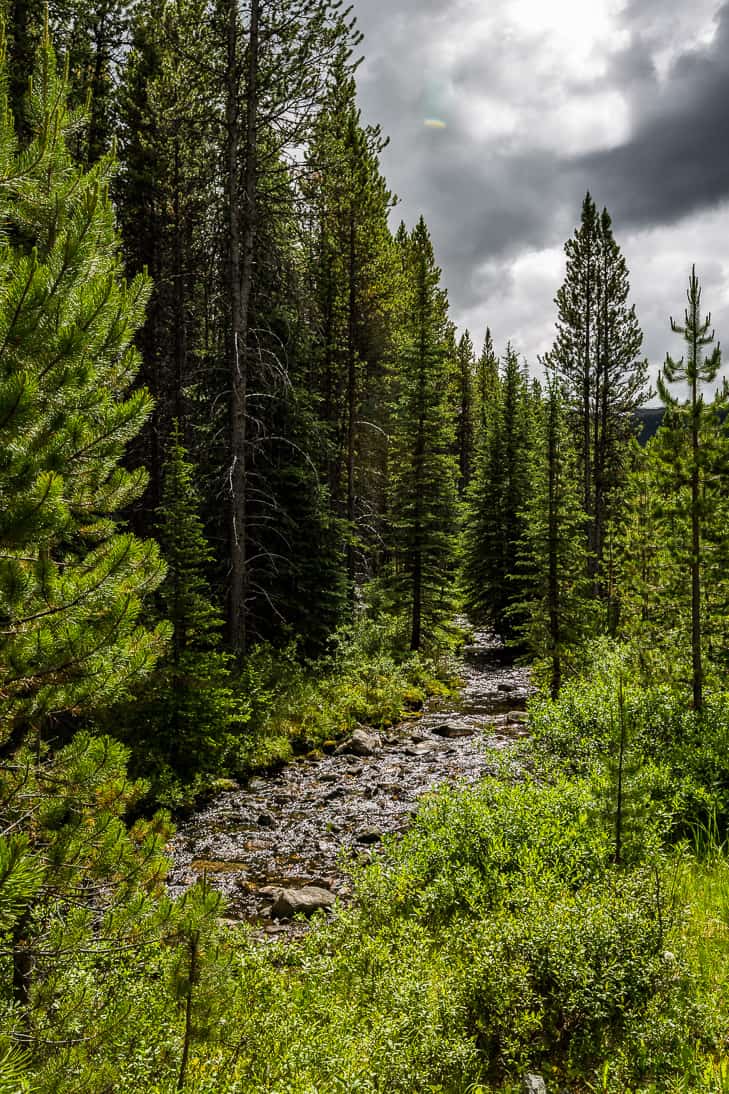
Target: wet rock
[(265, 820), (506, 687), (517, 717), (306, 901), (328, 777), (255, 784), (454, 730), (337, 792), (369, 836), (360, 743), (422, 749), (534, 1084), (417, 737)]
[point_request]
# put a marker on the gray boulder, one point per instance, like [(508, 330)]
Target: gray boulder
[(534, 1084), (361, 743), (306, 901)]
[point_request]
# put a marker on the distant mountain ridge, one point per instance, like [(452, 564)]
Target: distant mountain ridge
[(649, 418)]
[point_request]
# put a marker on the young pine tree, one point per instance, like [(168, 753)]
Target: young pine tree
[(692, 446), (72, 581)]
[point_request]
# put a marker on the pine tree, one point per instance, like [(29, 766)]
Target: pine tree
[(352, 271), (166, 196), (465, 423), (596, 357), (693, 453), (423, 469), (71, 581), (186, 723), (486, 390), (494, 521), (551, 556)]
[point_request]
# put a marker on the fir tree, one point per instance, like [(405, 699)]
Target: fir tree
[(423, 469), (188, 704), (71, 581), (494, 521), (486, 390), (551, 556), (596, 357), (465, 408)]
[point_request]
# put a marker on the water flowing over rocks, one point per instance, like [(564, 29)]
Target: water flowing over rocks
[(278, 846)]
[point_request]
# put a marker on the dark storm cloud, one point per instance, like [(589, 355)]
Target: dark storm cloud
[(479, 199), (677, 159), (641, 122)]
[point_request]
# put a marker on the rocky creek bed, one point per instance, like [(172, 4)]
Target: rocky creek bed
[(279, 844)]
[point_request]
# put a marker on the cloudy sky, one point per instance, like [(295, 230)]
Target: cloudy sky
[(542, 101)]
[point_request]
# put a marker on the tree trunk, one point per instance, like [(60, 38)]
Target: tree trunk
[(553, 579), (242, 230), (697, 670), (351, 404)]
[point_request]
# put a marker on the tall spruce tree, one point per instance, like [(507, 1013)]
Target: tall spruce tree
[(423, 468), (71, 580), (596, 357), (352, 274)]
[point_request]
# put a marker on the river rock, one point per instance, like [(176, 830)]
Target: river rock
[(360, 743), (310, 899), (506, 687), (517, 717), (369, 836), (422, 749), (454, 730), (534, 1084)]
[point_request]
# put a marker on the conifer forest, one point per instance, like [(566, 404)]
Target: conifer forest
[(282, 546)]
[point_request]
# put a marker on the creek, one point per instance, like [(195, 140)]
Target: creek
[(297, 827)]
